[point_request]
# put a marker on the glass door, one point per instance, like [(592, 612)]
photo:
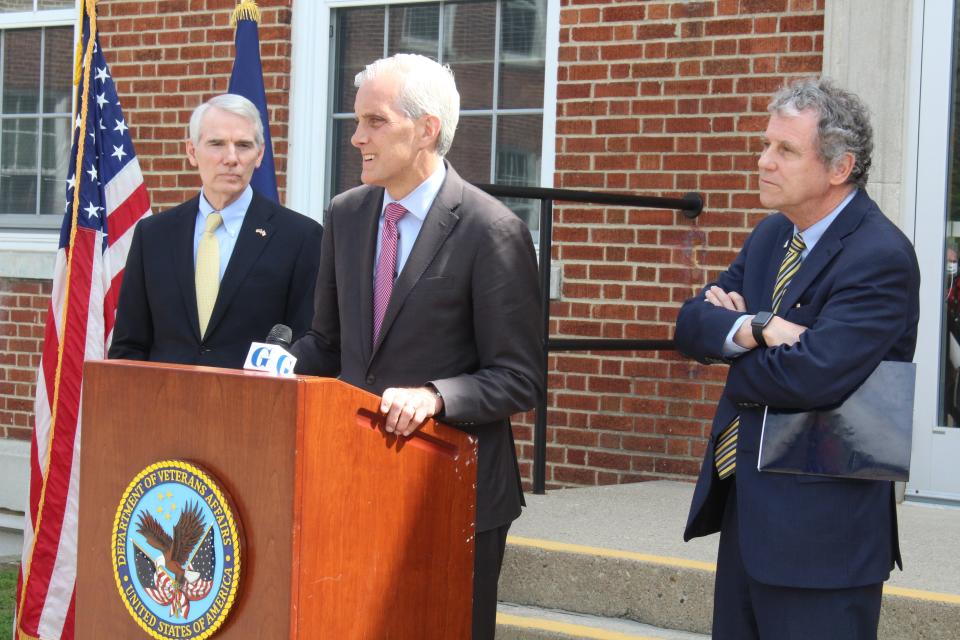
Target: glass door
[(935, 468)]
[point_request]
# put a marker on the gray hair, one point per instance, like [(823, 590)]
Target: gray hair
[(844, 125), (426, 88), (232, 103)]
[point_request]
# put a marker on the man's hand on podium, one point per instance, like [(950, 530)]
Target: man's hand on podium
[(408, 409)]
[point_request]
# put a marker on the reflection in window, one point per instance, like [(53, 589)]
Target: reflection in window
[(500, 82), (949, 410), (35, 81)]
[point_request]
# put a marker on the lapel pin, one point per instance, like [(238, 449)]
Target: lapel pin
[(262, 233)]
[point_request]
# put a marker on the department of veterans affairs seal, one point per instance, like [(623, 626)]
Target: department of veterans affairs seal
[(176, 551)]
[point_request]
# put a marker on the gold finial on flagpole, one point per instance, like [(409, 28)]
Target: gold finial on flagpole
[(245, 10)]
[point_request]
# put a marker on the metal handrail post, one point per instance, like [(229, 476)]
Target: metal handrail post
[(540, 422)]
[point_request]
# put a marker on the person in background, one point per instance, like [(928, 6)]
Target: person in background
[(206, 278)]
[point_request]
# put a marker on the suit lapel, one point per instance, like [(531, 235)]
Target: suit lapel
[(437, 226), (371, 205), (256, 232), (829, 245), (183, 259)]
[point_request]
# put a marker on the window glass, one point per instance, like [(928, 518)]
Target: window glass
[(35, 126), (414, 29), (469, 50), (10, 6), (522, 53), (359, 42), (21, 71)]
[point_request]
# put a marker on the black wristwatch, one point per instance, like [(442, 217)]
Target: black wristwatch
[(758, 324)]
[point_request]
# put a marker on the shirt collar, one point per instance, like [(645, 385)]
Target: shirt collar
[(812, 234), (419, 201), (233, 213)]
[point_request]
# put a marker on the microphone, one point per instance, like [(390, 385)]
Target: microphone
[(280, 335), (272, 356)]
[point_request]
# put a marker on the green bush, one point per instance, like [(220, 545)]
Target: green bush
[(8, 585)]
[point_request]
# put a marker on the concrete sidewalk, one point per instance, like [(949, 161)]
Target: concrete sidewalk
[(616, 553), (648, 517)]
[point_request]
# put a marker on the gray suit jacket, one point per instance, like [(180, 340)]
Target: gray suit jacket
[(464, 316)]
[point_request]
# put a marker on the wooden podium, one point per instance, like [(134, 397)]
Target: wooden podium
[(349, 532)]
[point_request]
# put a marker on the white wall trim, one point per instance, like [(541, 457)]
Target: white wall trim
[(548, 150), (932, 469), (308, 107), (14, 481), (28, 255), (46, 18)]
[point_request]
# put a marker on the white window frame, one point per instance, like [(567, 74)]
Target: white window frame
[(926, 185), (312, 91), (32, 253)]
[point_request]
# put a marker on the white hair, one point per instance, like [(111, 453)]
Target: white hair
[(426, 88), (232, 103)]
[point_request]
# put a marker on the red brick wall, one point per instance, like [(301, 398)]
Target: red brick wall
[(657, 98), (23, 312), (169, 56)]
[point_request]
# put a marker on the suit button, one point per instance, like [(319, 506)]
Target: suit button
[(205, 350), (371, 379)]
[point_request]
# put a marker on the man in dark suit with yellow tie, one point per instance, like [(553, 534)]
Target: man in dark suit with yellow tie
[(427, 294), (209, 276), (821, 292)]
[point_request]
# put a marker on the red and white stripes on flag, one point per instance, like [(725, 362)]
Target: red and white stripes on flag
[(106, 197)]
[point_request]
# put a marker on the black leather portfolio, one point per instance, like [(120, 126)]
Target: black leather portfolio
[(866, 437)]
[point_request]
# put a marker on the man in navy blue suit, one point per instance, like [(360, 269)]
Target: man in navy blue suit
[(821, 292), (263, 269)]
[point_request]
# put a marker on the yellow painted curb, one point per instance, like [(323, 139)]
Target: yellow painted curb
[(917, 594), (668, 561), (577, 630), (549, 545)]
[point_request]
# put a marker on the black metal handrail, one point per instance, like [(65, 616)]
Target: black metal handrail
[(691, 204)]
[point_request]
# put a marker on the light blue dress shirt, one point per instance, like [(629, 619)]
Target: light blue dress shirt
[(417, 203), (811, 236), (227, 232)]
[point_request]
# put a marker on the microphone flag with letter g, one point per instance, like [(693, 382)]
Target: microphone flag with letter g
[(271, 358)]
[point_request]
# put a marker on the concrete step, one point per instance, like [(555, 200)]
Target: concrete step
[(531, 623), (585, 552)]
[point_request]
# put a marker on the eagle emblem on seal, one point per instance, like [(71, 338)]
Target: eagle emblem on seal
[(183, 571)]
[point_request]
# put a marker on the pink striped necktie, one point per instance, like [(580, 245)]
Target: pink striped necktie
[(386, 265)]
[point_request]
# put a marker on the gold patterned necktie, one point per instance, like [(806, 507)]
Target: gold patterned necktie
[(725, 453), (207, 277)]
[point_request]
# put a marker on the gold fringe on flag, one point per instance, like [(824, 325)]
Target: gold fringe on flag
[(245, 10)]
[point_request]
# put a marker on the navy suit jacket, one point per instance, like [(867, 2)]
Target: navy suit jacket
[(464, 315), (269, 279), (857, 292)]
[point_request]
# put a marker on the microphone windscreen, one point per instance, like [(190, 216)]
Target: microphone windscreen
[(281, 335)]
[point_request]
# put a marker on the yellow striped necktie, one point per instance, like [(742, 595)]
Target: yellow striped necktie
[(207, 276), (725, 453)]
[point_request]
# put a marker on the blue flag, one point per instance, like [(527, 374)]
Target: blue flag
[(246, 80)]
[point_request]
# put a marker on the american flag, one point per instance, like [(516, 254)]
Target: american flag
[(105, 197)]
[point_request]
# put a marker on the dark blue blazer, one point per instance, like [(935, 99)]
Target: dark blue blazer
[(270, 279), (857, 292)]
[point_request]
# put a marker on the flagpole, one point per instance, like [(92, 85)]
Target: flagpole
[(91, 12)]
